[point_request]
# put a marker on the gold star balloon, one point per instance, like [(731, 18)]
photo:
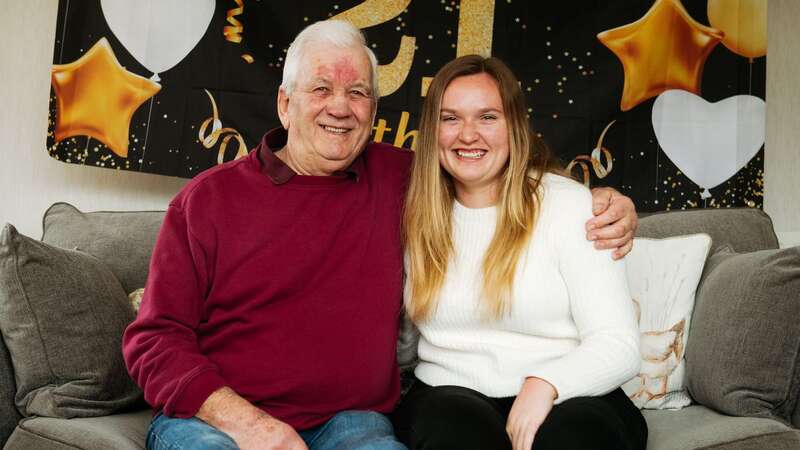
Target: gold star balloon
[(97, 97), (665, 49)]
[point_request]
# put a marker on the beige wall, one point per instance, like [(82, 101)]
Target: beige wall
[(30, 180), (782, 158)]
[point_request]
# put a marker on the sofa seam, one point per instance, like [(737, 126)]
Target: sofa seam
[(49, 438)]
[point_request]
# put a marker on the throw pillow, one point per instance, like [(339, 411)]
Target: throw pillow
[(662, 276), (123, 240), (744, 350), (62, 314)]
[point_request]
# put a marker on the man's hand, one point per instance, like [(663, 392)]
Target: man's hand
[(531, 407), (269, 433), (250, 427), (614, 222)]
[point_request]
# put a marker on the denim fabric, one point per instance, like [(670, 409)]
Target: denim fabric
[(353, 430), (168, 433), (348, 430)]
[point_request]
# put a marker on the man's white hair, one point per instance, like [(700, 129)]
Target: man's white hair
[(337, 33)]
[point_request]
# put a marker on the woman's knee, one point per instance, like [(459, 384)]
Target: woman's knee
[(450, 417), (601, 425)]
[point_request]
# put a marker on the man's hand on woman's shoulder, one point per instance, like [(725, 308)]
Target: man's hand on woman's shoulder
[(614, 222)]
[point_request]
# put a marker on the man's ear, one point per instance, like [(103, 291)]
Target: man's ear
[(283, 107)]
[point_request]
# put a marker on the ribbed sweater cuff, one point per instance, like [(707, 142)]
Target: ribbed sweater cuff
[(565, 387), (193, 392)]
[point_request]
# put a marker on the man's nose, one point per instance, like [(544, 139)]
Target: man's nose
[(338, 105)]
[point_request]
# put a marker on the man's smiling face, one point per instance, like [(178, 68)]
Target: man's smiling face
[(330, 110)]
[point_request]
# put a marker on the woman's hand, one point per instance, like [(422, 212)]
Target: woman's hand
[(531, 407)]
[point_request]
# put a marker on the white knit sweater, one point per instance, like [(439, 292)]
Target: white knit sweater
[(571, 322)]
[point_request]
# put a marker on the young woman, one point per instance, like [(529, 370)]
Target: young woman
[(527, 331)]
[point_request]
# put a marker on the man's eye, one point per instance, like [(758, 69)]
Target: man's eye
[(358, 93), (321, 89)]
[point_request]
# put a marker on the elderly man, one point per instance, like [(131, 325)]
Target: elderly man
[(271, 310)]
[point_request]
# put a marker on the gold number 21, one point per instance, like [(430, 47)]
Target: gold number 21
[(475, 27)]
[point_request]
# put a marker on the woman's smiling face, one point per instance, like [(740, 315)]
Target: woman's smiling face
[(473, 136)]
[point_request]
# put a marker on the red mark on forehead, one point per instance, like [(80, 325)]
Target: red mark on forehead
[(343, 71)]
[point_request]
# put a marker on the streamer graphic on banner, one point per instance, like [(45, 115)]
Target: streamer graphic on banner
[(595, 160), (233, 32), (218, 131)]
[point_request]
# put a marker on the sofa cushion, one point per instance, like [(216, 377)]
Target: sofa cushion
[(744, 229), (663, 276), (696, 427), (62, 314), (119, 432), (744, 345), (9, 415), (122, 240)]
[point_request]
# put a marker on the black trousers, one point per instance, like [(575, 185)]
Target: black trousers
[(458, 418)]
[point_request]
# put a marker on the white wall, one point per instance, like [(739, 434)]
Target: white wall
[(30, 180)]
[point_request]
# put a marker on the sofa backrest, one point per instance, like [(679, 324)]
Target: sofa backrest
[(123, 240), (744, 229)]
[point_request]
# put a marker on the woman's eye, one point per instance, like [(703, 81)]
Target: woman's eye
[(448, 118), (488, 117)]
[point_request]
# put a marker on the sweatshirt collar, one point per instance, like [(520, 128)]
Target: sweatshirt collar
[(277, 170)]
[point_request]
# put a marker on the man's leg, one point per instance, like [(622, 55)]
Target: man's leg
[(167, 433), (353, 430)]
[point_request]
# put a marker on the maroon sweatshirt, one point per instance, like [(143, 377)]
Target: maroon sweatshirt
[(285, 288)]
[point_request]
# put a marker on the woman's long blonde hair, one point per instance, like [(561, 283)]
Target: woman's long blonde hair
[(427, 218)]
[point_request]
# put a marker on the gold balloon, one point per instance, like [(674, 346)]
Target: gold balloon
[(665, 49), (97, 97), (744, 23)]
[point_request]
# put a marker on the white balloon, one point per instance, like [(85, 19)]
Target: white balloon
[(158, 33), (709, 142)]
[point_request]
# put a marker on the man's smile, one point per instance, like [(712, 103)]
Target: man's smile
[(335, 130)]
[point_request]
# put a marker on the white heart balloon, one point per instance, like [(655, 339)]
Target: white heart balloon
[(158, 33), (709, 142)]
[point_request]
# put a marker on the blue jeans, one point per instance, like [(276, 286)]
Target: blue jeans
[(347, 430)]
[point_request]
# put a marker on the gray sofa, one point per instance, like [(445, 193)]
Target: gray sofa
[(768, 414)]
